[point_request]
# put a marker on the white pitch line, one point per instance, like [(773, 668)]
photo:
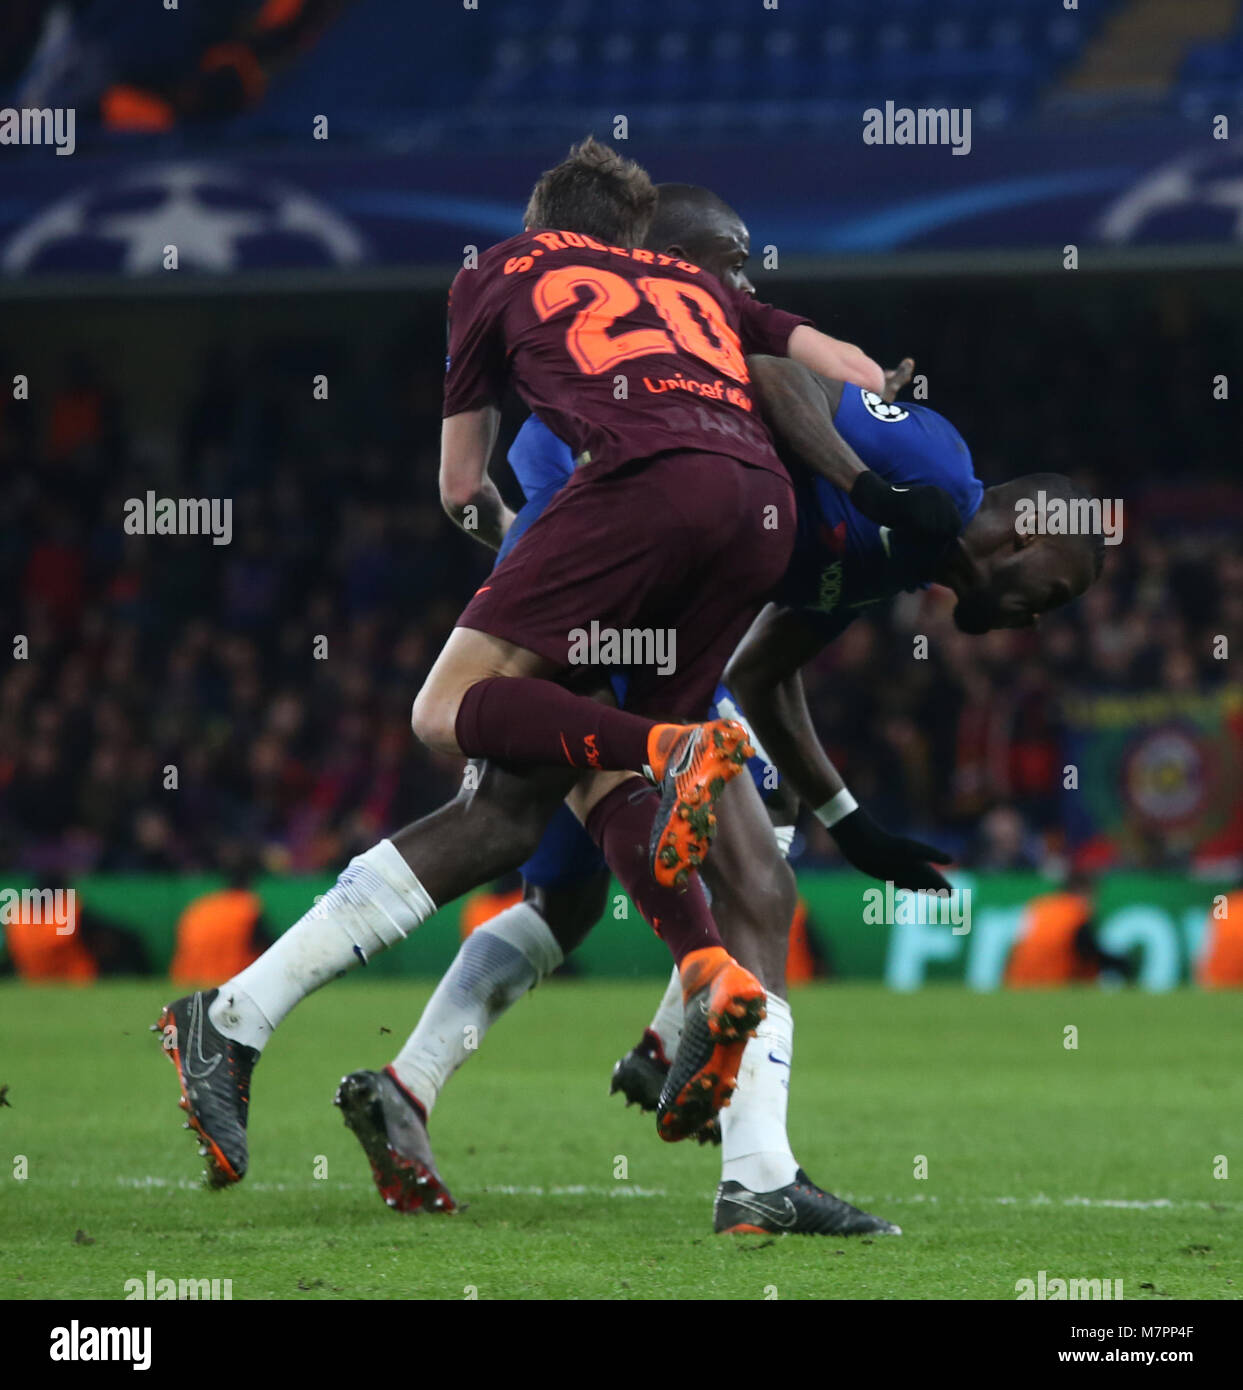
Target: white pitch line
[(193, 1184), (576, 1190), (579, 1190), (633, 1190), (1041, 1200)]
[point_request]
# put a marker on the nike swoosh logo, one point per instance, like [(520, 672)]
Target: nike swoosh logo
[(688, 756), (784, 1215), (195, 1044), (780, 1061)]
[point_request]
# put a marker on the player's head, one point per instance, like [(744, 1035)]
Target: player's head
[(596, 192), (695, 225), (1005, 576)]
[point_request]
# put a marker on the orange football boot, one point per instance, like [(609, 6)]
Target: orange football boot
[(724, 1006), (690, 763)]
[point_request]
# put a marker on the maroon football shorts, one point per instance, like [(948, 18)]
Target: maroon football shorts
[(673, 555)]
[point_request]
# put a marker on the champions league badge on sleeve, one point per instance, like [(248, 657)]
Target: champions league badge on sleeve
[(888, 411)]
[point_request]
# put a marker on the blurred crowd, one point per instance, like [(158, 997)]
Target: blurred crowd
[(177, 692), (172, 694)]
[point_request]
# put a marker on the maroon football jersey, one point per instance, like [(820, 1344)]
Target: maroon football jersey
[(622, 353)]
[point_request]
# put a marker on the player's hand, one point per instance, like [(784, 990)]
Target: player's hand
[(925, 511), (897, 378), (890, 858)]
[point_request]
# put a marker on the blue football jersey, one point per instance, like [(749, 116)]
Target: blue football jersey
[(539, 459), (843, 562)]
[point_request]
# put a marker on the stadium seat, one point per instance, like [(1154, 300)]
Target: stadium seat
[(556, 56)]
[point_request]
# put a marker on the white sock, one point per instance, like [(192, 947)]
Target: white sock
[(667, 1025), (375, 903), (755, 1149), (496, 965)]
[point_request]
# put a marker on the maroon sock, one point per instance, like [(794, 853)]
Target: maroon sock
[(621, 824), (523, 720)]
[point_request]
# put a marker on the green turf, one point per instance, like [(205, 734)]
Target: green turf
[(1027, 1144)]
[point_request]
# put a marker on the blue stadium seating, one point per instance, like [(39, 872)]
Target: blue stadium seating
[(1210, 79), (722, 66)]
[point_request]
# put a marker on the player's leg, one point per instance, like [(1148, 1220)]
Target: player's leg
[(711, 544), (566, 880), (640, 1074), (388, 1110), (724, 1002), (741, 557), (754, 897), (486, 697), (565, 884), (494, 967), (751, 895), (392, 889), (527, 720), (703, 1071), (499, 962), (215, 1037)]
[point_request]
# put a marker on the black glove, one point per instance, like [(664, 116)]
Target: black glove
[(923, 511), (888, 857)]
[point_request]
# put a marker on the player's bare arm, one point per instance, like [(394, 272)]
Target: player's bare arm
[(467, 493), (798, 405), (832, 358), (765, 675)]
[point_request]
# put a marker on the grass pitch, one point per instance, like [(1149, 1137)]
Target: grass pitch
[(1093, 1162)]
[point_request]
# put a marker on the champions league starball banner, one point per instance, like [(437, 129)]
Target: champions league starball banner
[(114, 211)]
